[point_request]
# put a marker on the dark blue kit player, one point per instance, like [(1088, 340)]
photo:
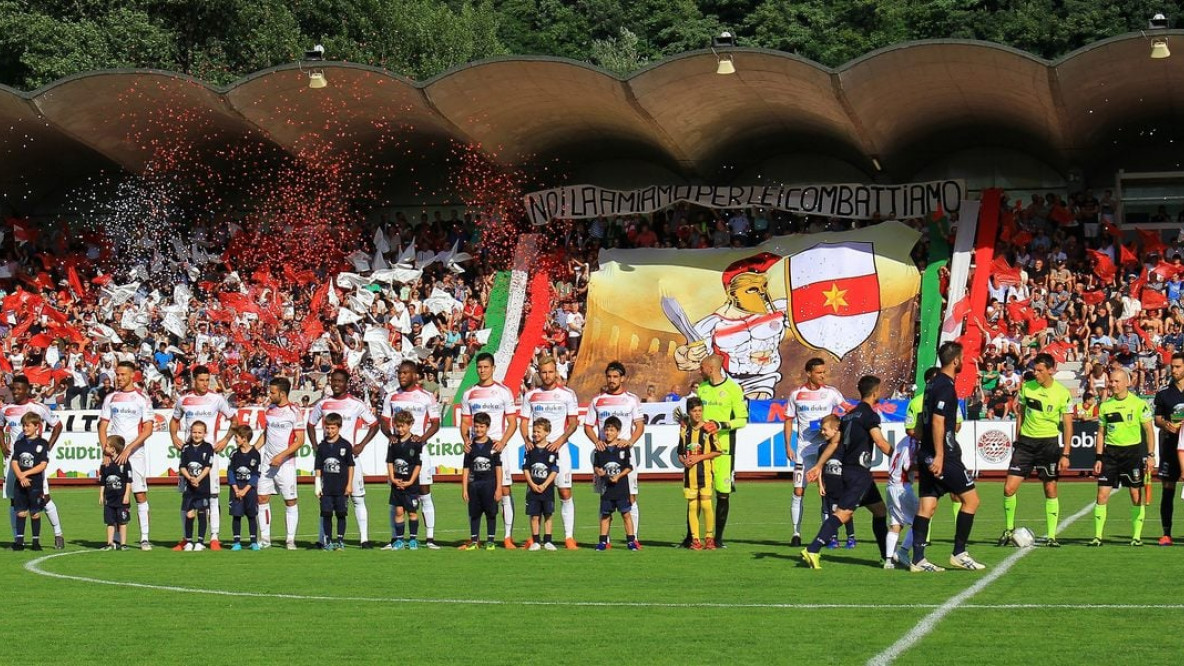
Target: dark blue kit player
[(612, 467), (481, 483)]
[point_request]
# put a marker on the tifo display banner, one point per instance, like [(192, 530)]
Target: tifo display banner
[(849, 298), (853, 201)]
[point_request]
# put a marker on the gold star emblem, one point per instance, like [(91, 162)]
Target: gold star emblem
[(835, 297)]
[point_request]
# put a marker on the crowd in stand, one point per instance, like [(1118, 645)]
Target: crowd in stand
[(1066, 279)]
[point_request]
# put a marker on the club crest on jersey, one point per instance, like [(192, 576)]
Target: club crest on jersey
[(612, 469), (26, 460), (482, 464), (332, 466), (834, 295), (194, 468), (242, 473), (539, 472), (114, 482), (401, 467)]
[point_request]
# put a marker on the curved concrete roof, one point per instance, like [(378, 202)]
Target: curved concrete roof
[(905, 105)]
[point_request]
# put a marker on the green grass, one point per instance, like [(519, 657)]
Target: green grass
[(73, 621)]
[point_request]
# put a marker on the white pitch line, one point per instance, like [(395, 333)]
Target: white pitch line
[(930, 622)]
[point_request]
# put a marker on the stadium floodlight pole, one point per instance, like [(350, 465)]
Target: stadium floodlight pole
[(1159, 45), (725, 64), (316, 76)]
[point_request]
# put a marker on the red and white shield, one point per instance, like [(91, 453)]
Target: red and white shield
[(834, 295)]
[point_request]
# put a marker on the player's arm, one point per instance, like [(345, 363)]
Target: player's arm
[(815, 472), (127, 489), (638, 431), (464, 482), (938, 432), (573, 423), (260, 440), (205, 471), (1100, 446), (414, 480), (466, 427), (54, 434), (349, 475), (103, 424), (1067, 444), (370, 434), (174, 433), (524, 426), (145, 432), (789, 421), (550, 480), (623, 473), (1152, 443), (1020, 408), (433, 428), (297, 442), (880, 441), (497, 476), (511, 428), (593, 437)]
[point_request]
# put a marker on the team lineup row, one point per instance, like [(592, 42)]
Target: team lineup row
[(832, 451)]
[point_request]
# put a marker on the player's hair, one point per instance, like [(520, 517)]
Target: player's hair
[(116, 443), (1178, 356), (814, 363), (242, 430), (481, 418), (484, 356), (200, 370), (21, 379), (282, 383), (616, 366), (831, 420), (693, 402), (542, 423), (333, 418), (31, 418), (948, 352), (126, 364), (612, 422), (340, 372), (546, 360), (868, 385), (408, 363), (930, 374), (403, 417), (1046, 360)]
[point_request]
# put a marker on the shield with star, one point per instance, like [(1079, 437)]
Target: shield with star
[(834, 295)]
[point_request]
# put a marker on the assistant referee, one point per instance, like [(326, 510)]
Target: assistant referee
[(1124, 427)]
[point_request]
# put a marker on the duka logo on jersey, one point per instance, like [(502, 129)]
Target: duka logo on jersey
[(834, 295)]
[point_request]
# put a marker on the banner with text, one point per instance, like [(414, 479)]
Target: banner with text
[(857, 201)]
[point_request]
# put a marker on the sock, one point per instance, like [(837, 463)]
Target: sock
[(428, 508), (1166, 508), (547, 538), (722, 506), (962, 527), (1099, 520), (1009, 512), (414, 524), (253, 525), (636, 513), (51, 512), (508, 514), (215, 518), (291, 520), (890, 541), (341, 527), (880, 530), (326, 526), (236, 525), (1138, 513), (323, 532), (188, 528), (693, 517), (567, 510), (362, 515), (183, 519), (392, 523), (142, 514), (534, 537), (603, 538), (202, 524), (399, 529), (19, 532), (37, 528), (264, 520), (829, 529), (1052, 516), (795, 511), (491, 525), (12, 520), (474, 525), (920, 534), (710, 530), (630, 538), (850, 528), (907, 544)]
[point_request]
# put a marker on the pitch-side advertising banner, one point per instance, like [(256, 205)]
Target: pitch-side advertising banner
[(849, 298), (986, 446)]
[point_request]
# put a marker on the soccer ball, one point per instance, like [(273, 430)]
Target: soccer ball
[(1023, 537)]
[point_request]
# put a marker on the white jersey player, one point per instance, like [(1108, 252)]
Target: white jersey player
[(282, 436), (902, 501), (23, 403), (558, 406), (355, 416), (496, 400), (410, 397), (806, 407), (127, 412), (618, 402), (210, 408)]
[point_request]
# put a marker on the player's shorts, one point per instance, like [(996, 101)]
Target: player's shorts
[(116, 514), (334, 504), (858, 489), (1169, 461), (278, 481), (609, 506), (954, 479), (139, 464), (1039, 453), (1123, 466), (563, 478), (703, 492), (724, 474), (804, 458), (408, 499), (539, 505), (902, 504), (481, 502), (247, 506), (425, 466), (193, 501), (28, 499)]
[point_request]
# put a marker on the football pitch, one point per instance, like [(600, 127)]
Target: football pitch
[(754, 602)]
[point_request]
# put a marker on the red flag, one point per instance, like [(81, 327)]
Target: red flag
[(1104, 267), (1004, 274), (41, 340), (1021, 239), (1061, 215), (5, 366), (1093, 297), (24, 231), (75, 282), (1164, 270), (1036, 324), (102, 279), (1126, 257), (1153, 300), (39, 376), (1058, 350), (1152, 241), (1112, 229)]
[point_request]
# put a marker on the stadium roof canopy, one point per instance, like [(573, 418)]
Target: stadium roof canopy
[(900, 106)]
